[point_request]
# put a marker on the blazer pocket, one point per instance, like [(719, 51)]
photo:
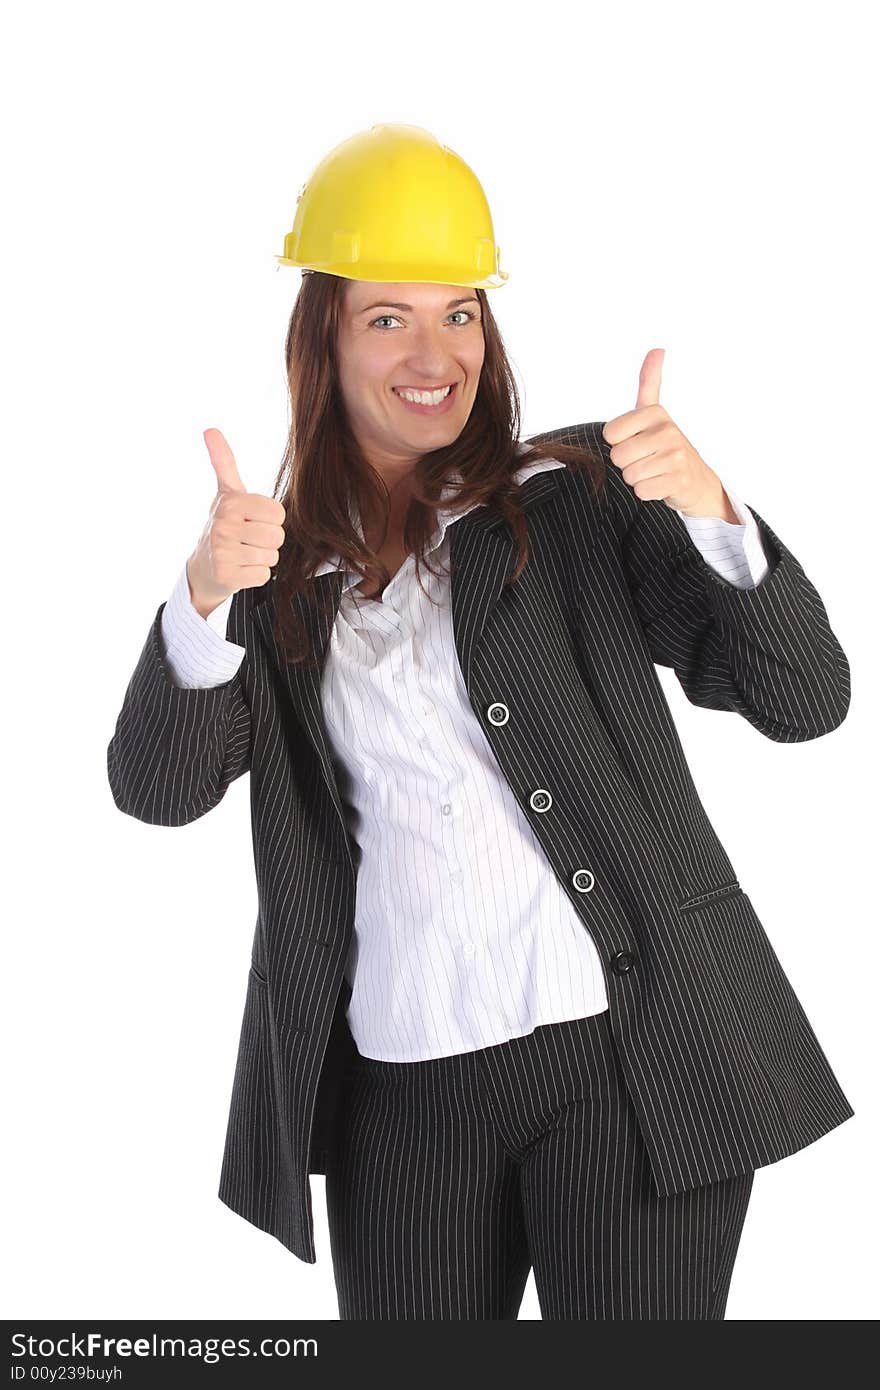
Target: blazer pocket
[(258, 975), (710, 895)]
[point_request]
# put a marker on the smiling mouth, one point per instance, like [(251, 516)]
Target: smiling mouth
[(427, 406), (422, 389)]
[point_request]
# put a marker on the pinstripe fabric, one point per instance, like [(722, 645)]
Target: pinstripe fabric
[(454, 1176), (720, 1063)]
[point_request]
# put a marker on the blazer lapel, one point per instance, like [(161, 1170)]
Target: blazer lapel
[(481, 552)]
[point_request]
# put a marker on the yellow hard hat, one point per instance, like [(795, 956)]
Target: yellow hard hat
[(392, 203)]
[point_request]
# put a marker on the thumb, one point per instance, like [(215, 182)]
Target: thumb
[(649, 378), (223, 462)]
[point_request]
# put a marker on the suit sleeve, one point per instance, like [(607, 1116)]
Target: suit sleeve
[(764, 651), (175, 749)]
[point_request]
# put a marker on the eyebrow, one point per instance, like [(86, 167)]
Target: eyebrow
[(388, 304)]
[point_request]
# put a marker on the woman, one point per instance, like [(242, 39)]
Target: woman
[(505, 988)]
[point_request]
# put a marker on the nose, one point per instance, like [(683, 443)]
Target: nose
[(429, 358)]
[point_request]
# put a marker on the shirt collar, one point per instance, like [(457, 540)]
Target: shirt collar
[(443, 514)]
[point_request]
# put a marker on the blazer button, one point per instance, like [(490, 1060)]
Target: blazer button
[(583, 880), (498, 713), (622, 963), (540, 800)]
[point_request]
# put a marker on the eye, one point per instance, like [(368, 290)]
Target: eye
[(469, 315)]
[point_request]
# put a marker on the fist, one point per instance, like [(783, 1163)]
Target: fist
[(242, 537)]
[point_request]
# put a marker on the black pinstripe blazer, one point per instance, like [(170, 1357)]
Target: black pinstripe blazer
[(724, 1070)]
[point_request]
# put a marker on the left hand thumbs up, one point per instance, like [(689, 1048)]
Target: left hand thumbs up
[(655, 458)]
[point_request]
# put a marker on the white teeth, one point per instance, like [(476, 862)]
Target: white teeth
[(425, 397)]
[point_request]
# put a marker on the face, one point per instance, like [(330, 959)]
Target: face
[(397, 335)]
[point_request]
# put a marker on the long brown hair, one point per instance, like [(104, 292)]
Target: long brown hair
[(323, 465)]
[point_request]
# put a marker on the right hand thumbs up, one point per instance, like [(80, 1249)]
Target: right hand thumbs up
[(223, 462), (242, 536)]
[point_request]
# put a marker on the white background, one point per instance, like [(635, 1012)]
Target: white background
[(688, 176)]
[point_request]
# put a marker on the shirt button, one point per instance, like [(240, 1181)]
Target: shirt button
[(457, 876), (446, 809), (468, 949)]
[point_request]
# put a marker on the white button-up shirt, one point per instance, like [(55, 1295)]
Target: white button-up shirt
[(463, 936)]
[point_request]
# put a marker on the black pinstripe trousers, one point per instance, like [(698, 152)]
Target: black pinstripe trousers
[(453, 1177)]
